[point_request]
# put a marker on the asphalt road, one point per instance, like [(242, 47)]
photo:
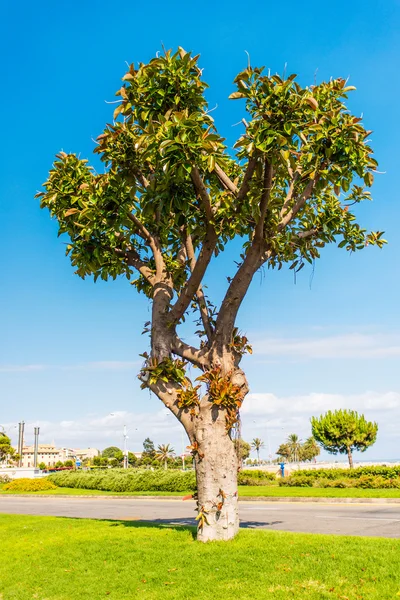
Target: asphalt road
[(344, 519)]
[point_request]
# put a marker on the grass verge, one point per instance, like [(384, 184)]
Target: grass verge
[(60, 559), (253, 491)]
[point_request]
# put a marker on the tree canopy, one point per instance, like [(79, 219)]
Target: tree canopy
[(111, 452), (343, 431), (171, 196), (6, 448)]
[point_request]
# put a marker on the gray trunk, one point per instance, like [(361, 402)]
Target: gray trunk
[(216, 473), (350, 457)]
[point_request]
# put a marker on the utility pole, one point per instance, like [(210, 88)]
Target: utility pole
[(125, 449), (21, 428), (36, 448)]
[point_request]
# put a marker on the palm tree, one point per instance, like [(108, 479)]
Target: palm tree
[(294, 444), (257, 444), (311, 449), (164, 452)]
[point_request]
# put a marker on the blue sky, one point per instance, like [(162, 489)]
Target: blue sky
[(69, 348)]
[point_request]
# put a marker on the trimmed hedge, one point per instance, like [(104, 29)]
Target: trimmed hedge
[(132, 480), (29, 485), (255, 477), (364, 481), (381, 471)]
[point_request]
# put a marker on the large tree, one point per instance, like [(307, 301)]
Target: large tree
[(6, 449), (171, 197), (343, 431)]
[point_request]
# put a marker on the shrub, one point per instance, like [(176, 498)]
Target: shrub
[(365, 481), (4, 479), (29, 485), (117, 480), (256, 477), (296, 482), (382, 471)]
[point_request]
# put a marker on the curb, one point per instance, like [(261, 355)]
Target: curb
[(302, 499)]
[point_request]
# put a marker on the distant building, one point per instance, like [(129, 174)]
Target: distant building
[(84, 453), (48, 454)]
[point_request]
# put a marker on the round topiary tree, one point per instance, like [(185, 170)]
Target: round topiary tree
[(171, 198), (344, 431)]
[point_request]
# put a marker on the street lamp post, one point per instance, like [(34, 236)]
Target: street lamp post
[(36, 447), (21, 429), (125, 449)]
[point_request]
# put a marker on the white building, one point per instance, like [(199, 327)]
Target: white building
[(48, 454)]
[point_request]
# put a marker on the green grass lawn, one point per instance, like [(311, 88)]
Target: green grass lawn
[(260, 491), (49, 558)]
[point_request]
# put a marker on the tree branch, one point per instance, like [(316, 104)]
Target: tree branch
[(133, 259), (298, 204), (193, 355), (225, 180), (196, 277), (265, 196), (244, 188), (202, 192), (241, 192), (199, 293), (256, 256), (152, 241)]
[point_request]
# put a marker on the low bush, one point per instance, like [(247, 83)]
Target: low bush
[(132, 480), (4, 479), (29, 485), (256, 477), (296, 482), (381, 471), (365, 481)]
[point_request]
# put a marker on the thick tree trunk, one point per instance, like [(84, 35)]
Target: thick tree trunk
[(350, 457), (216, 473)]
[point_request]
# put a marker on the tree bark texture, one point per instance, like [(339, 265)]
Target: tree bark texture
[(216, 473), (350, 457)]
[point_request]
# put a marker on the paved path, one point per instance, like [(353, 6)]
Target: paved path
[(345, 519)]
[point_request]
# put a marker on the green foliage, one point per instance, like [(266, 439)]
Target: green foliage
[(110, 452), (381, 471), (162, 128), (29, 485), (131, 480), (344, 431), (164, 452), (242, 449), (69, 463), (5, 447), (42, 466), (255, 477), (293, 450), (309, 449), (375, 477), (364, 482), (148, 448)]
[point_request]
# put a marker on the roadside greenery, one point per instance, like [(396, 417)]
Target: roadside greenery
[(130, 480), (363, 477), (135, 480), (343, 431), (125, 559), (294, 450), (29, 485)]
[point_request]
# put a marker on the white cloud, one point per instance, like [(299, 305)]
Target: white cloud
[(350, 345), (264, 415)]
